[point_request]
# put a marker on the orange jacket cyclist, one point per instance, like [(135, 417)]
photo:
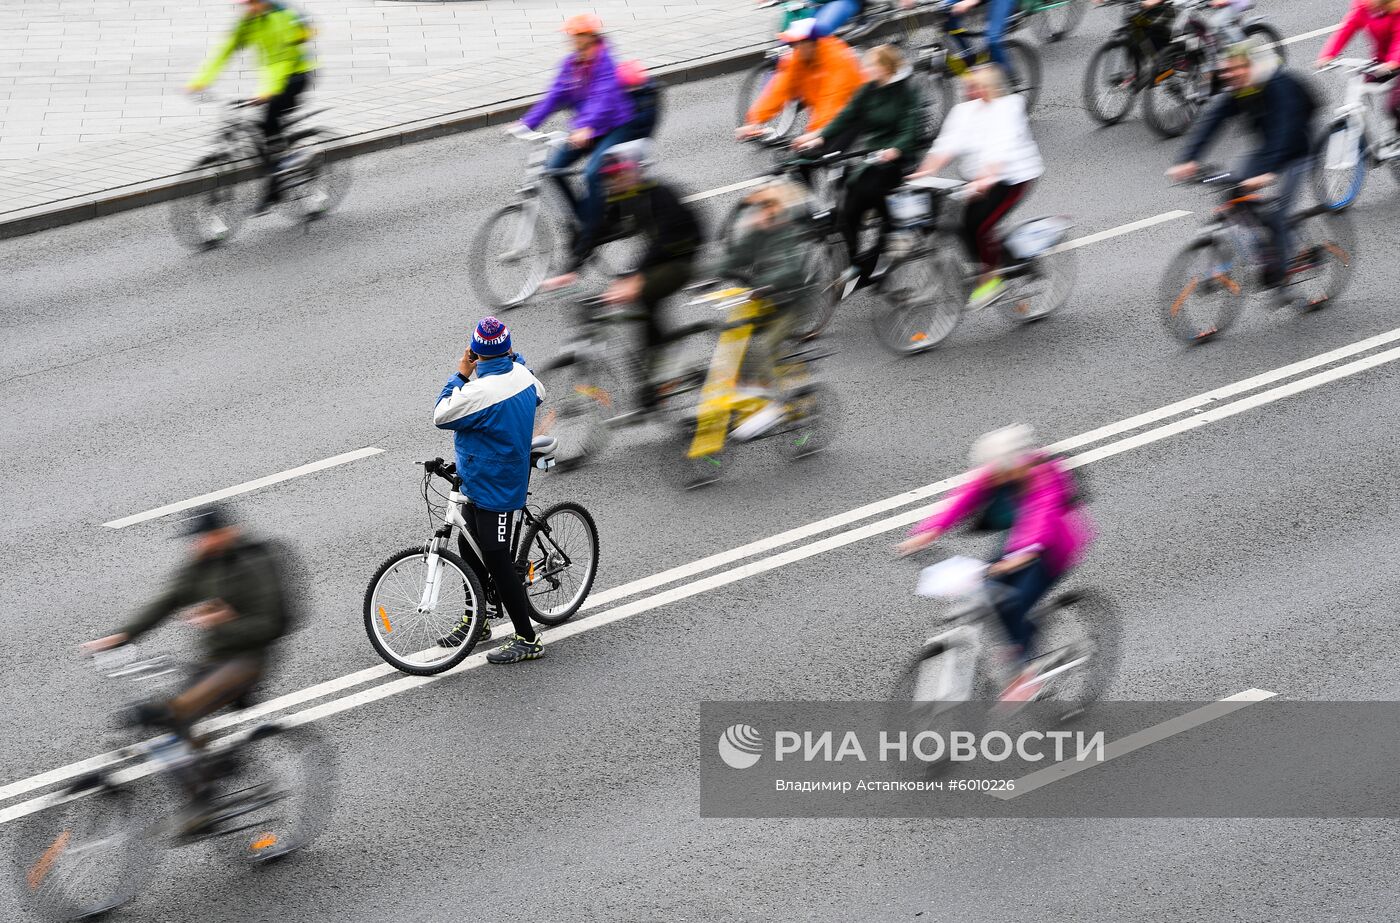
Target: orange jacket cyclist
[(820, 73)]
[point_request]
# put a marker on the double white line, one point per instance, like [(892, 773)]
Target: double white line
[(788, 547)]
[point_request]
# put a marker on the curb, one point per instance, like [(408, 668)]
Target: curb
[(153, 192)]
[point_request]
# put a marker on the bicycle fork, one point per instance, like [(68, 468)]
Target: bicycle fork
[(433, 585), (525, 232)]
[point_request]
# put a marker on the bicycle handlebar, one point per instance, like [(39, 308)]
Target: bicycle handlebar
[(445, 470)]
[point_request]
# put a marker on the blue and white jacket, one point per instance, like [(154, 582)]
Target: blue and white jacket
[(494, 418)]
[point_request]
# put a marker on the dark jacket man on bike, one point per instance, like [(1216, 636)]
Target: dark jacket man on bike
[(493, 416), (1280, 109), (237, 591)]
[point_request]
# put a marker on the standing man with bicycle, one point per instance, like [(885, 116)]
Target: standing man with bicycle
[(493, 416), (282, 36), (1280, 109)]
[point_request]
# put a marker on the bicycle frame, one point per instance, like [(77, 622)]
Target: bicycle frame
[(720, 397), (1358, 110)]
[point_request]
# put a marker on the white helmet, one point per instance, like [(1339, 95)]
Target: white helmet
[(1003, 449)]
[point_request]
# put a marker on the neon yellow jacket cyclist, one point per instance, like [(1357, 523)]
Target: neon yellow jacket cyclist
[(280, 35)]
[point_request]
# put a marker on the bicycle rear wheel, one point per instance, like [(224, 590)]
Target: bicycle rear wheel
[(922, 298), (1055, 19), (1174, 98), (810, 423), (1080, 634), (316, 182), (1110, 82), (1339, 166), (213, 215), (410, 639), (511, 254), (1202, 291), (822, 263), (1324, 256), (275, 793), (86, 856), (1024, 70), (558, 560), (1050, 282), (784, 125)]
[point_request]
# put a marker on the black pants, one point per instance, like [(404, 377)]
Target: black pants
[(273, 117), (980, 219), (865, 192), (492, 531), (660, 282)]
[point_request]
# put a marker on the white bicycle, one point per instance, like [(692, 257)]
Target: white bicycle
[(1361, 135), (426, 607), (1078, 631)]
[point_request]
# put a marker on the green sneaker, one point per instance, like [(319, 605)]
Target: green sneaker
[(458, 636), (985, 293), (516, 650)]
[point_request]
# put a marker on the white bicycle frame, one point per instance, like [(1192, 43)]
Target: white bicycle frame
[(452, 518), (544, 144), (1358, 111)]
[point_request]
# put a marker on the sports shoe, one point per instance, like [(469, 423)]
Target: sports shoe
[(516, 650), (458, 636), (759, 422), (985, 293)]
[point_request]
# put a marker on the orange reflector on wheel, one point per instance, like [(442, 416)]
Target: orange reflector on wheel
[(530, 573), (266, 841), (40, 870), (384, 619), (918, 338)]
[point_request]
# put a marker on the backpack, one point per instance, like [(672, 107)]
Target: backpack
[(644, 92), (291, 581)]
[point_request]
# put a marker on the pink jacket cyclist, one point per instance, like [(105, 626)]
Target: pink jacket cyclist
[(1380, 18)]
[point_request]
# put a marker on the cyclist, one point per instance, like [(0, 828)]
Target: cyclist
[(1380, 18), (886, 114), (1280, 109), (827, 16), (674, 236), (990, 137), (1020, 490), (820, 73), (282, 36), (998, 17), (493, 416), (766, 252), (588, 84)]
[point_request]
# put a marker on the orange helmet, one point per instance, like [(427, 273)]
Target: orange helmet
[(583, 24)]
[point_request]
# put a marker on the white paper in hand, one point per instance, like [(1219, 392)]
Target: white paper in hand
[(957, 576)]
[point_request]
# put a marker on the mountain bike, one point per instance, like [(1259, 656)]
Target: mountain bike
[(522, 243), (1361, 135), (1205, 285), (1079, 632), (426, 606), (312, 181), (929, 279), (265, 792), (596, 383), (951, 53), (797, 411)]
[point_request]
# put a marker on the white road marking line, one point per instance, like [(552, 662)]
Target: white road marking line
[(714, 581), (1122, 229), (1136, 741), (732, 187), (243, 488), (1325, 30)]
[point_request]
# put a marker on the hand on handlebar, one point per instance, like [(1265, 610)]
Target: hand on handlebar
[(808, 142), (1183, 172), (915, 544)]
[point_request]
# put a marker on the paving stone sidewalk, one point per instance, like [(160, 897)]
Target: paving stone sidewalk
[(91, 91)]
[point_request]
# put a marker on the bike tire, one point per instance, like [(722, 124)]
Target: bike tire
[(1082, 623), (784, 124), (938, 94), (281, 785), (917, 708), (492, 249), (1169, 105), (1265, 35), (922, 300), (1206, 267), (1056, 272), (49, 853), (1325, 239), (539, 547), (375, 619), (584, 395), (213, 216), (823, 261), (1056, 19), (1109, 90), (1025, 71), (1339, 168), (324, 180)]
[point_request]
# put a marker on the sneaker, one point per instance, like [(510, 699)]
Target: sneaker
[(516, 650), (759, 422), (985, 293), (458, 636)]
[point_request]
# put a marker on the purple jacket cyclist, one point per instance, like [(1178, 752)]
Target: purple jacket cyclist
[(588, 84)]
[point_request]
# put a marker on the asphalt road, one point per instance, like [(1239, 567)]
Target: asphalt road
[(1249, 553)]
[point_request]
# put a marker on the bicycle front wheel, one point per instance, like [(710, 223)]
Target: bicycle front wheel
[(584, 396), (558, 560), (1052, 20), (1174, 98), (511, 255), (213, 215), (276, 789), (317, 183), (1339, 167), (1050, 282), (923, 300), (1110, 82), (1023, 64), (784, 124), (86, 856), (1080, 636), (1202, 290), (418, 631), (1324, 256)]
